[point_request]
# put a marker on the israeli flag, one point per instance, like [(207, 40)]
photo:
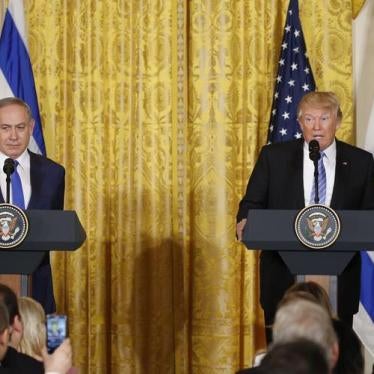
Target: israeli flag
[(16, 76), (363, 322)]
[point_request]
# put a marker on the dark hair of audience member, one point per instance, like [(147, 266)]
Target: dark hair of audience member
[(298, 357), (4, 330), (4, 317), (313, 289), (301, 356), (9, 298), (351, 358)]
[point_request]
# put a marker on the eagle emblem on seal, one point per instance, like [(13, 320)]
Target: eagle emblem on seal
[(318, 228), (8, 228)]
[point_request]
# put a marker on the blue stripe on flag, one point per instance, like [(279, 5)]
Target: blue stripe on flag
[(16, 66), (367, 284)]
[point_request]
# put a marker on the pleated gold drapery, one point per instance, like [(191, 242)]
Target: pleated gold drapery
[(158, 109)]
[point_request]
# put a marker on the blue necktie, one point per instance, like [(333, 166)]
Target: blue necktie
[(321, 182), (17, 191)]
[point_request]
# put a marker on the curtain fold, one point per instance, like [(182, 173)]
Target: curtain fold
[(158, 110), (357, 6)]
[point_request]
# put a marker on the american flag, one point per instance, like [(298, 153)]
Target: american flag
[(293, 81)]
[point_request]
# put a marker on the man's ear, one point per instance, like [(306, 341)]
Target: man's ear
[(32, 125), (17, 324), (335, 354)]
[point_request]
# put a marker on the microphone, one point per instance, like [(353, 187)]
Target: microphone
[(8, 169), (314, 154), (8, 166)]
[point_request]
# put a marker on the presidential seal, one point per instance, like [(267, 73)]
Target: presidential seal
[(317, 226), (14, 226)]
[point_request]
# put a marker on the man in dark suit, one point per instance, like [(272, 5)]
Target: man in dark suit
[(282, 179), (43, 181)]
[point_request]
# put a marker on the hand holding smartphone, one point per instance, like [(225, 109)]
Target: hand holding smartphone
[(57, 331)]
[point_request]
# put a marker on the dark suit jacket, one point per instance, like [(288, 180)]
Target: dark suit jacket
[(277, 183), (47, 183), (47, 192), (16, 362)]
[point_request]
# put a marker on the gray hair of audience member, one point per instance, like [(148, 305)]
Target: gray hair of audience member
[(302, 319)]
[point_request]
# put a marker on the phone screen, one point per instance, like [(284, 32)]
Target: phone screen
[(56, 331)]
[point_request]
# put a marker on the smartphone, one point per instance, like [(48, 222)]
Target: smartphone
[(57, 330)]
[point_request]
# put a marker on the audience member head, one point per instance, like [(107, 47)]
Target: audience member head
[(310, 291), (9, 298), (303, 319), (351, 357), (4, 330), (34, 331), (297, 357)]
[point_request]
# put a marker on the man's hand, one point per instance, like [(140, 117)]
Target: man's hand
[(240, 227), (60, 361)]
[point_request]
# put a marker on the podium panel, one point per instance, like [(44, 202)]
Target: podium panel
[(49, 230), (273, 230)]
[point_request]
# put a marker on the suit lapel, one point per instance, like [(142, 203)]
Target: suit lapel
[(341, 176), (297, 168), (36, 173)]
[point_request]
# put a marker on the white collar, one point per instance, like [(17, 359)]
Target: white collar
[(23, 159), (330, 151)]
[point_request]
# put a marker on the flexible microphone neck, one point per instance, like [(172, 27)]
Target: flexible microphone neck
[(315, 155), (8, 168)]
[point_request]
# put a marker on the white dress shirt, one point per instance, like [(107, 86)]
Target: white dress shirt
[(23, 170), (329, 161)]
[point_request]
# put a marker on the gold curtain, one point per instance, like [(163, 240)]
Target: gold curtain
[(357, 6), (158, 109)]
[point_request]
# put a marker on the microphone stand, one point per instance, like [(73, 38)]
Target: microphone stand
[(7, 188), (315, 155), (316, 195)]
